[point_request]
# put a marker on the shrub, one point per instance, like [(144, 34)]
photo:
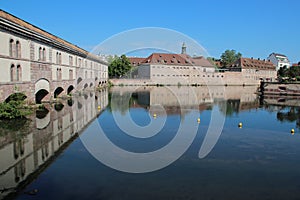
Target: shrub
[(14, 108)]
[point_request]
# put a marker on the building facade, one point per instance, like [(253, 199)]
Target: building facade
[(279, 60), (176, 69), (41, 65)]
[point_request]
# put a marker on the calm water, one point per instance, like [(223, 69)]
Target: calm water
[(93, 148)]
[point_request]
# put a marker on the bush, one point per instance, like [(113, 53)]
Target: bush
[(14, 108)]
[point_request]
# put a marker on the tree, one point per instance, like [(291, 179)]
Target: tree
[(229, 57), (119, 67)]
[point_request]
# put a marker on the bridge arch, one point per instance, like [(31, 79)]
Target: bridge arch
[(42, 89), (58, 91), (70, 89)]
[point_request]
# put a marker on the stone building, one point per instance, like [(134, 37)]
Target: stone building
[(42, 65), (176, 69)]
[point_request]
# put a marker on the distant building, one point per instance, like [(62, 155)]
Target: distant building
[(279, 60), (256, 69)]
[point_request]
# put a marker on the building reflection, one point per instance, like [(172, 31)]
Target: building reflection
[(26, 146), (181, 100)]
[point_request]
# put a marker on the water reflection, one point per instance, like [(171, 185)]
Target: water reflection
[(27, 145), (231, 100)]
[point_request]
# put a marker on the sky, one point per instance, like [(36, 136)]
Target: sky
[(256, 28)]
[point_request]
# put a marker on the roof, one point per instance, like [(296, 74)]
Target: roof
[(278, 54), (176, 59), (250, 63), (135, 61), (27, 26)]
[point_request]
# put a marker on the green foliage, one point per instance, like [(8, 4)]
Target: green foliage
[(14, 107), (119, 67), (292, 73), (229, 57)]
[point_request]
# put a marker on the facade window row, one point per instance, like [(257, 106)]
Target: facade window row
[(14, 49), (42, 54), (15, 73)]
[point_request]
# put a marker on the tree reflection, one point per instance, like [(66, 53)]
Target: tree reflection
[(229, 107), (120, 102), (292, 115)]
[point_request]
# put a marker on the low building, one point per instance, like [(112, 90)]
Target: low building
[(279, 60)]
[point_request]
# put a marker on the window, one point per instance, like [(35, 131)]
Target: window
[(11, 48), (40, 54), (71, 74), (19, 73), (58, 58), (70, 60), (18, 49), (44, 54), (58, 74), (12, 72)]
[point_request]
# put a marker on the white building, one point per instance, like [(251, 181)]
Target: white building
[(279, 60)]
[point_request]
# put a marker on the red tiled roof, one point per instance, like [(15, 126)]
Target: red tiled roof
[(176, 59), (250, 63), (135, 61)]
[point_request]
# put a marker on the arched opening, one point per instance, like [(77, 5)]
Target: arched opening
[(44, 54), (79, 80), (58, 91), (18, 49), (40, 54), (12, 72), (42, 89), (85, 86), (16, 97), (91, 84), (70, 89), (11, 48), (19, 73), (40, 95)]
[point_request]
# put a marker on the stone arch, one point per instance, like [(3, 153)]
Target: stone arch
[(79, 80), (70, 89), (42, 89), (58, 91)]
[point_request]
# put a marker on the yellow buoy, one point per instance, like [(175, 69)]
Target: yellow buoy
[(292, 131), (198, 120), (240, 125), (154, 115), (99, 107)]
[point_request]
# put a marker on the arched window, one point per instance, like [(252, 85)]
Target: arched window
[(40, 54), (11, 48), (60, 60), (19, 73), (44, 54), (12, 72), (18, 49)]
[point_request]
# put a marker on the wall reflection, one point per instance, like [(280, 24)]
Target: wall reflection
[(181, 100), (26, 145)]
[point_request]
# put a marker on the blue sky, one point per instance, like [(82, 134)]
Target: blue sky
[(255, 28)]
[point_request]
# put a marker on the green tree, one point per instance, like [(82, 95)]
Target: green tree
[(229, 57), (119, 67)]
